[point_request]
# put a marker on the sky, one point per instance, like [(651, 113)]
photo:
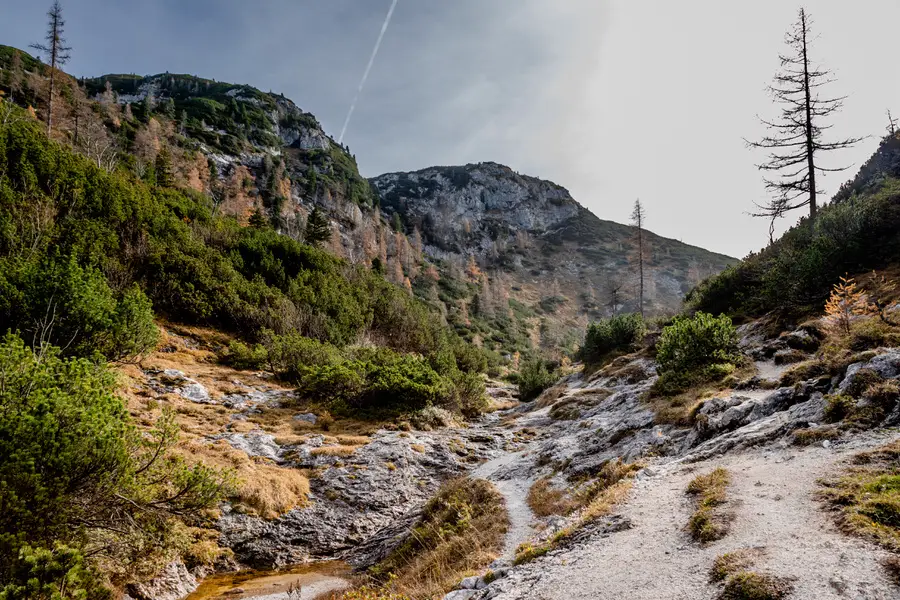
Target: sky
[(614, 99)]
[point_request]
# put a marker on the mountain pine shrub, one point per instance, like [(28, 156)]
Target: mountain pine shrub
[(693, 350), (78, 480), (608, 336)]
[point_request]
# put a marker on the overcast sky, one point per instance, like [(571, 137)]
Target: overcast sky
[(613, 99)]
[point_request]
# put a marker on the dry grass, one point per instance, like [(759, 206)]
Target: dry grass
[(601, 506), (461, 531), (550, 396), (747, 585), (731, 563), (595, 498), (815, 435), (367, 593), (353, 440), (544, 500), (263, 489), (709, 522), (566, 409), (418, 448), (866, 497), (498, 404)]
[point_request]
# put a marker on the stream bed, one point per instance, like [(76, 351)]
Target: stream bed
[(314, 580)]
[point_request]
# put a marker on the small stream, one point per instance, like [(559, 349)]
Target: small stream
[(314, 579)]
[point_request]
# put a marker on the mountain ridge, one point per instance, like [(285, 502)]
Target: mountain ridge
[(256, 152)]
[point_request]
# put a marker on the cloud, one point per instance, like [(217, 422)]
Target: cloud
[(614, 99)]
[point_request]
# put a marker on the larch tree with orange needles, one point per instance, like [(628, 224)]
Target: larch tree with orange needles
[(846, 301)]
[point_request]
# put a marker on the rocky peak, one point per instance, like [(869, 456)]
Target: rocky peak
[(465, 209), (533, 231)]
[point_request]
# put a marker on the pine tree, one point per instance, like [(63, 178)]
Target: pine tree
[(56, 50), (167, 108), (258, 219), (796, 140), (164, 176), (318, 228), (637, 219)]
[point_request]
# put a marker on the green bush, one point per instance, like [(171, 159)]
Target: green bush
[(74, 471), (62, 303), (534, 377), (616, 334), (244, 356), (290, 356), (470, 391), (695, 342), (58, 574), (377, 383)]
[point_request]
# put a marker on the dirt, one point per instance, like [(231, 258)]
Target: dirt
[(773, 501)]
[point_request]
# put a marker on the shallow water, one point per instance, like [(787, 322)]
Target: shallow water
[(314, 579)]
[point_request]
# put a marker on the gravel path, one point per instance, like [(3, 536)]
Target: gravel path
[(772, 498)]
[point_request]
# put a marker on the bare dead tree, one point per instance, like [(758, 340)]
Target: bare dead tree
[(96, 143), (8, 112), (795, 139), (56, 50), (638, 216), (892, 124)]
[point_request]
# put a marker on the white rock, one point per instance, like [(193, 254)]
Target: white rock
[(460, 595)]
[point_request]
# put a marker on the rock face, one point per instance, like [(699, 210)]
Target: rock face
[(537, 235), (174, 583), (354, 498), (465, 209)]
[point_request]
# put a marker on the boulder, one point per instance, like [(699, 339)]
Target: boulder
[(173, 583)]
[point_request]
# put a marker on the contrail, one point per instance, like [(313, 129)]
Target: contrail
[(362, 83)]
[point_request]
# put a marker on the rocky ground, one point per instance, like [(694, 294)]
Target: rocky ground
[(364, 501), (643, 550)]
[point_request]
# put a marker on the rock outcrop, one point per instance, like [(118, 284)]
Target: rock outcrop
[(534, 233)]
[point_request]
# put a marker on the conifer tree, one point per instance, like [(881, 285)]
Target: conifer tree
[(795, 141), (318, 229), (163, 165), (638, 217), (56, 50)]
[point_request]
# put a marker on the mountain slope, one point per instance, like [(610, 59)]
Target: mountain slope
[(551, 247), (854, 234), (512, 262)]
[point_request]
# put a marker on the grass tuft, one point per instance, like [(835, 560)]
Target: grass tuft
[(866, 497), (815, 435), (747, 585), (726, 565), (709, 523), (596, 498), (462, 530)]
